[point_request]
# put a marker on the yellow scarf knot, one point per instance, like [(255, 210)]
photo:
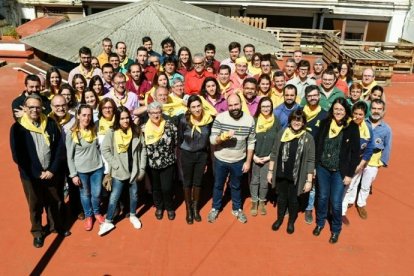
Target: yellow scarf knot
[(264, 124), (289, 135), (41, 129), (205, 120), (153, 133), (122, 139)]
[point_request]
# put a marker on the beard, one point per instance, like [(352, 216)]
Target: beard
[(376, 117), (236, 113)]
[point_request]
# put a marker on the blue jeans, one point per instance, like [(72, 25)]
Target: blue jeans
[(117, 186), (330, 189), (311, 200), (222, 170), (90, 190)]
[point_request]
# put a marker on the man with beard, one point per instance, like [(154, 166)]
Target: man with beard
[(35, 143), (106, 51), (85, 67), (209, 53), (234, 53), (289, 105), (124, 60), (142, 59), (248, 51), (250, 100), (107, 74), (32, 83), (318, 67), (147, 43), (266, 66), (233, 137), (329, 92), (195, 78), (382, 140), (120, 95), (137, 82), (314, 115), (302, 80)]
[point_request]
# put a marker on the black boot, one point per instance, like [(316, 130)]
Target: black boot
[(196, 198), (187, 197)]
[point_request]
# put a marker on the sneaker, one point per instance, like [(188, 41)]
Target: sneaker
[(362, 212), (135, 222), (240, 215), (345, 220), (308, 216), (105, 228), (88, 224), (99, 218), (212, 215)]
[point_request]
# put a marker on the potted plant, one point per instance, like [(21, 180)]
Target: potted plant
[(9, 33)]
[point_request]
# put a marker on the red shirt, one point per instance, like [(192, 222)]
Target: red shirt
[(140, 92), (150, 72), (193, 81)]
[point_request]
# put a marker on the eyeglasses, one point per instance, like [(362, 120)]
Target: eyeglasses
[(266, 106), (120, 82), (154, 113), (32, 107), (198, 63), (312, 96), (368, 76), (107, 107), (60, 106)]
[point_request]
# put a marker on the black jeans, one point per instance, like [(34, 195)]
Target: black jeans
[(193, 165), (42, 194), (162, 187), (287, 198)]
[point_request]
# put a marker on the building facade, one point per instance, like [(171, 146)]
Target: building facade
[(370, 20)]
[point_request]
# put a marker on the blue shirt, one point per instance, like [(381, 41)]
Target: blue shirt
[(367, 145), (282, 113), (382, 140)]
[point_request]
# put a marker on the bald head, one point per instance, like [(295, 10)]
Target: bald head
[(59, 106)]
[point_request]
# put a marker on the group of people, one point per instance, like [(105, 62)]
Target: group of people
[(317, 136)]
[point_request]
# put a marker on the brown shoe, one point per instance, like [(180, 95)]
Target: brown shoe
[(262, 208), (345, 220), (253, 209), (362, 212)]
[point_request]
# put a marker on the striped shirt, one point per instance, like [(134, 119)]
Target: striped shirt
[(233, 150)]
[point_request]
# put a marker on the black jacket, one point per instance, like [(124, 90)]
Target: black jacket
[(24, 153), (349, 154)]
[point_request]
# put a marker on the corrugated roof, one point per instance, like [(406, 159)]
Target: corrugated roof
[(39, 24), (188, 25)]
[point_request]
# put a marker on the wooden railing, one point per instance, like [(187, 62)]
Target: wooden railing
[(260, 23)]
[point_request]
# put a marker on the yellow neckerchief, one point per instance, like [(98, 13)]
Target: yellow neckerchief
[(208, 107), (119, 102), (288, 135), (375, 160), (105, 125), (173, 108), (149, 93), (87, 74), (205, 120), (277, 97), (364, 131), (223, 89), (334, 129), (367, 89), (254, 70), (61, 121), (153, 133), (122, 64), (122, 140), (41, 129), (311, 114), (245, 108), (78, 96), (87, 135), (264, 124), (175, 99)]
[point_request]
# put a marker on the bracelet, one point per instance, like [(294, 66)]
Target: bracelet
[(307, 181), (270, 170)]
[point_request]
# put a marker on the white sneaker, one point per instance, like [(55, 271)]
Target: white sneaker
[(135, 222), (105, 228)]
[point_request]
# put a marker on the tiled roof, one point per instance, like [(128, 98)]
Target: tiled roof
[(39, 24), (188, 25)]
